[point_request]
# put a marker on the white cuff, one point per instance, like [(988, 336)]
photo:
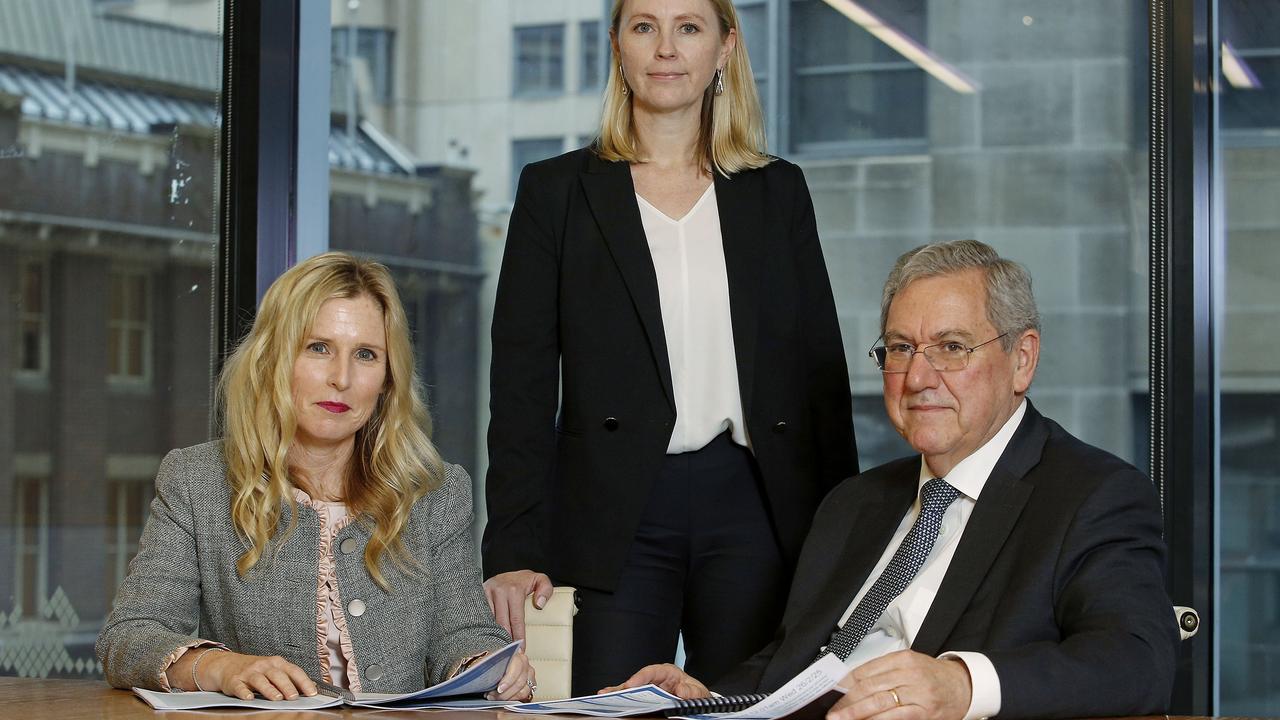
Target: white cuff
[(985, 700)]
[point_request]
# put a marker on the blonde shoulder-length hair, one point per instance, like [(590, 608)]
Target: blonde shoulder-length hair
[(732, 135), (394, 462)]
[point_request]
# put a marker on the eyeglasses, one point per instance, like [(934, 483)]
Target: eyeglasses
[(943, 357)]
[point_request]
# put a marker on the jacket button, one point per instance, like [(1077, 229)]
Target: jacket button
[(780, 428), (373, 672), (611, 424), (349, 545), (355, 608)]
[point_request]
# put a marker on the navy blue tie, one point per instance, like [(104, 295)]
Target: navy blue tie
[(936, 497)]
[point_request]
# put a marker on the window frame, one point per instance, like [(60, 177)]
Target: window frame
[(39, 374), (552, 84), (22, 549), (123, 327)]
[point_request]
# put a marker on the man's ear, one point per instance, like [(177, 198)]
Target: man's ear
[(1026, 356)]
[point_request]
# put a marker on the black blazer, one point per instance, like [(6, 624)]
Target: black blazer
[(577, 307), (1058, 579)]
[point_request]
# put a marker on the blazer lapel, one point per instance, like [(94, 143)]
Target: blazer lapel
[(741, 202), (993, 518), (866, 535), (611, 195)]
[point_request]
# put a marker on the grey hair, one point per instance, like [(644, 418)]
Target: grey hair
[(1011, 306)]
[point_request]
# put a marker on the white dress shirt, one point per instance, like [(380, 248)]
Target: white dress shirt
[(896, 629), (693, 289)]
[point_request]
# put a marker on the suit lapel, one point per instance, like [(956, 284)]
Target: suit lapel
[(993, 518), (611, 195), (741, 202), (866, 535)]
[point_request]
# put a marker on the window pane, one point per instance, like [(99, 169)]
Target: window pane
[(849, 85), (1249, 510), (858, 106), (539, 58), (33, 288), (128, 183), (591, 41)]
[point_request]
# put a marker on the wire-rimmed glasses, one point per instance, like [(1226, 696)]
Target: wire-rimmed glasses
[(947, 356)]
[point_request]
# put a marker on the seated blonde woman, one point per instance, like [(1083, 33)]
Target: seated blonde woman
[(323, 536)]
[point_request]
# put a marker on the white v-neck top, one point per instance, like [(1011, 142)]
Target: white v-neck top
[(693, 288)]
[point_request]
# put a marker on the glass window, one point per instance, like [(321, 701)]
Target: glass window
[(539, 56), (33, 317), (591, 44), (107, 236), (31, 546), (375, 49), (524, 152), (851, 88), (129, 326), (128, 504), (1249, 430)]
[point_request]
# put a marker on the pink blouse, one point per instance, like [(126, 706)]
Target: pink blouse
[(333, 641)]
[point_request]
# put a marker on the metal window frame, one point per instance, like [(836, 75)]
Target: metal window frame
[(1186, 263), (273, 149)]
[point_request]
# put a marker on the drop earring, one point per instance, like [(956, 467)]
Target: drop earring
[(719, 81), (623, 75)]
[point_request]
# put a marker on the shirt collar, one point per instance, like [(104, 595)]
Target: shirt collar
[(970, 474)]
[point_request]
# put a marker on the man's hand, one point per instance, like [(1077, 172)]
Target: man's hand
[(905, 685), (274, 678), (669, 678), (506, 593)]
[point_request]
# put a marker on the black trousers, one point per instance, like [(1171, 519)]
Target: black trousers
[(704, 562)]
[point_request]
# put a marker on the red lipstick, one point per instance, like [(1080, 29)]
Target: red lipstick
[(334, 407)]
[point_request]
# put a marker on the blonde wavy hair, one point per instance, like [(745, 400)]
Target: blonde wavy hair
[(732, 136), (394, 462)]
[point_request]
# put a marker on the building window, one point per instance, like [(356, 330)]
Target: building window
[(590, 43), (31, 545), (539, 55), (850, 89), (33, 318), (128, 503), (376, 48), (129, 327), (524, 152)]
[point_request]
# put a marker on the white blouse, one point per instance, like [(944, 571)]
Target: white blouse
[(693, 288)]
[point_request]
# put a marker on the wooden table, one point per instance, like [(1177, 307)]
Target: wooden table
[(28, 699)]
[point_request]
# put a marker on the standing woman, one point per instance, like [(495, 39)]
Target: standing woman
[(665, 290)]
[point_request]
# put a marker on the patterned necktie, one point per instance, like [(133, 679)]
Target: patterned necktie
[(936, 497)]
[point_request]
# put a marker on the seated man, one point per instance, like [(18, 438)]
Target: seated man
[(1011, 569)]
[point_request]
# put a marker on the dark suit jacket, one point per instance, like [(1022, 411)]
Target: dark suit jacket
[(1058, 579), (577, 307)]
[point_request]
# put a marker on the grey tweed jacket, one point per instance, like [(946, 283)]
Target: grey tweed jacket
[(183, 582)]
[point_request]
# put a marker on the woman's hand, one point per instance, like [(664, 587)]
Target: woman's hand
[(519, 681), (274, 678), (506, 593)]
